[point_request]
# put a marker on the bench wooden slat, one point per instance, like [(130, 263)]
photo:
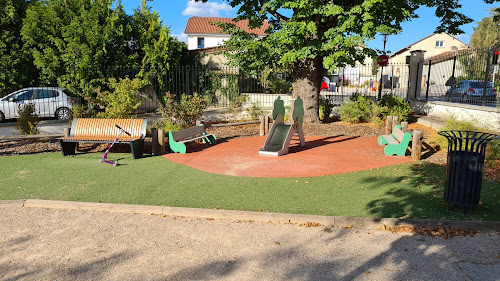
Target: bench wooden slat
[(194, 138), (105, 131), (177, 139), (90, 138), (390, 139), (107, 128), (188, 133), (398, 134)]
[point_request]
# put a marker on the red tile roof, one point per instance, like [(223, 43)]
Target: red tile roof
[(203, 25)]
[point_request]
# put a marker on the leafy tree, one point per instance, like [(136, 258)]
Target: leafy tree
[(487, 33), (16, 66), (74, 42), (313, 36), (153, 49)]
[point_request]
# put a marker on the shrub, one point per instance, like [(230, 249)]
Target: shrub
[(166, 124), (492, 150), (121, 101), (273, 84), (189, 109), (255, 110), (180, 114), (82, 111), (378, 113), (356, 109), (396, 106), (27, 122), (236, 104), (451, 123), (325, 107)]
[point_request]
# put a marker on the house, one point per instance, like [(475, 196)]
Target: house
[(203, 33), (433, 45)]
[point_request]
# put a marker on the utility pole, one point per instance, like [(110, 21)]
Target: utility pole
[(382, 70)]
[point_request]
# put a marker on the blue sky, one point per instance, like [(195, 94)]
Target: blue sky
[(175, 13)]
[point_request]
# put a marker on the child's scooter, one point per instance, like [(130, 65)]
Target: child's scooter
[(104, 157)]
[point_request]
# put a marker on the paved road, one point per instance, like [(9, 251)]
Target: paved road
[(50, 244), (48, 127)]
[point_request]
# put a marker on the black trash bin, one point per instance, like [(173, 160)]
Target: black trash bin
[(464, 168)]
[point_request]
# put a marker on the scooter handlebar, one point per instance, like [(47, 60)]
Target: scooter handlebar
[(123, 130)]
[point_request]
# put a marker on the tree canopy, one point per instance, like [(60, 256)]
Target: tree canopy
[(313, 36), (16, 64), (80, 44), (487, 33)]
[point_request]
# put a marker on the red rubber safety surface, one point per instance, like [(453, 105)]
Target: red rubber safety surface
[(320, 156)]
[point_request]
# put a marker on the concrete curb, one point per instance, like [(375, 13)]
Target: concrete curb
[(12, 203), (330, 221)]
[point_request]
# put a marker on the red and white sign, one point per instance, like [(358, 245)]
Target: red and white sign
[(382, 60)]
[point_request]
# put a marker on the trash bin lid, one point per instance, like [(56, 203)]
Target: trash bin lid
[(470, 141)]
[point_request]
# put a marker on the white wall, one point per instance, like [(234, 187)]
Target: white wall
[(481, 116), (429, 46), (211, 40)]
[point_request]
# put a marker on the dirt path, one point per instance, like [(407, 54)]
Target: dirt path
[(48, 244)]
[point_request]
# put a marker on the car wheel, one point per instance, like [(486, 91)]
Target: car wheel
[(63, 113), (2, 117)]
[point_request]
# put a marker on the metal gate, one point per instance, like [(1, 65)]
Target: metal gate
[(462, 76)]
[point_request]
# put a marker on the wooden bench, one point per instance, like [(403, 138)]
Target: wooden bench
[(104, 131), (396, 143), (177, 139)]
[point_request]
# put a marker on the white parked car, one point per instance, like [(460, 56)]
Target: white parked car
[(49, 102)]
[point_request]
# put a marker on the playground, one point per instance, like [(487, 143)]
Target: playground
[(319, 157), (288, 170)]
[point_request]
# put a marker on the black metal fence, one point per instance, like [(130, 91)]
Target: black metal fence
[(223, 87), (461, 76), (370, 80)]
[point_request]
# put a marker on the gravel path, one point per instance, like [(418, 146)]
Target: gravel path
[(48, 244)]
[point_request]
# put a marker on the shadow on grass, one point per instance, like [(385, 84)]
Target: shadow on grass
[(420, 195)]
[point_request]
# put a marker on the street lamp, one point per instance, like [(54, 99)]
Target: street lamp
[(382, 70)]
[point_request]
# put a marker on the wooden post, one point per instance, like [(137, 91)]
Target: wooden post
[(395, 121), (161, 141), (262, 126), (266, 125), (416, 144), (388, 125), (155, 149), (198, 123), (404, 126)]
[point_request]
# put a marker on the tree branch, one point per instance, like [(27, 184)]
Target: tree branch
[(275, 13)]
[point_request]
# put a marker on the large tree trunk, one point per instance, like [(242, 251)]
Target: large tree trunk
[(307, 77)]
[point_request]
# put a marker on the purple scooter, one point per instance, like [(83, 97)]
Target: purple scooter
[(104, 157)]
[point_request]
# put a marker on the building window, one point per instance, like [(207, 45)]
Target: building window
[(201, 42), (439, 44)]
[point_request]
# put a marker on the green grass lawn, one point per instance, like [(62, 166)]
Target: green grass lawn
[(411, 190)]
